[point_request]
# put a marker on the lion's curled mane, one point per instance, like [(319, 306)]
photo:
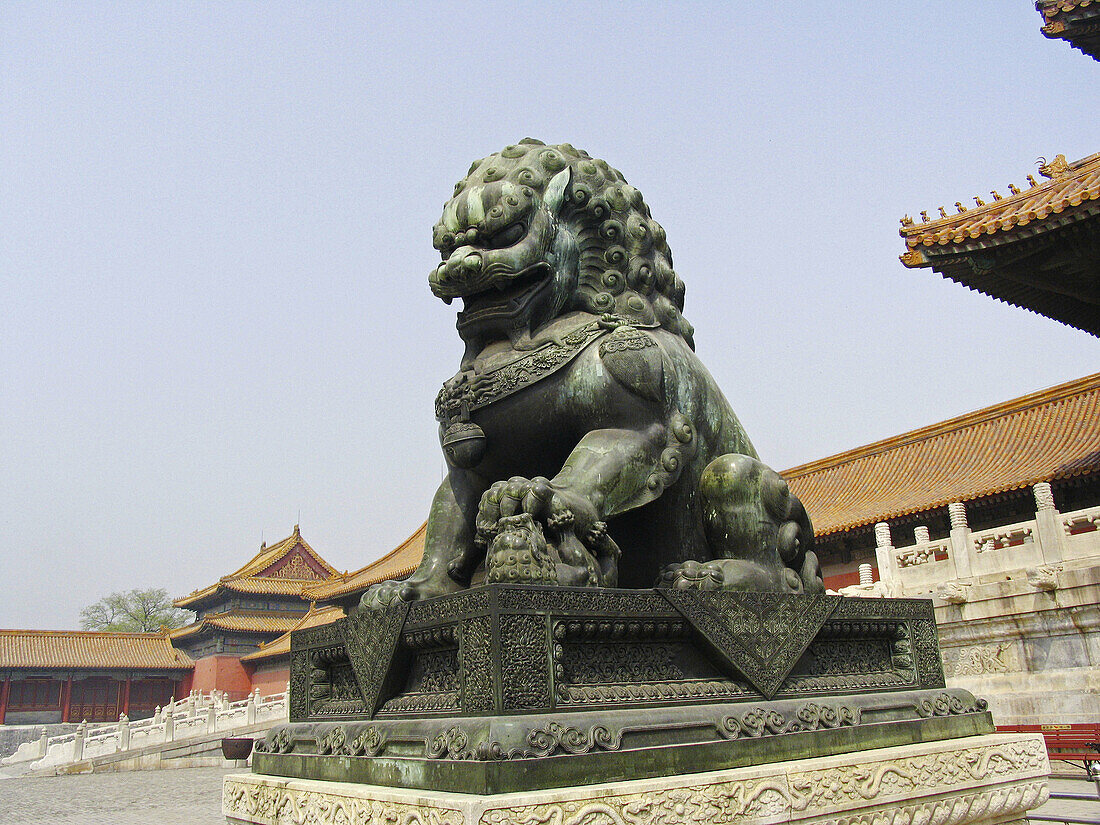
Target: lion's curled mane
[(625, 264)]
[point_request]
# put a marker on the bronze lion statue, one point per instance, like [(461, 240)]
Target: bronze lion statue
[(586, 444)]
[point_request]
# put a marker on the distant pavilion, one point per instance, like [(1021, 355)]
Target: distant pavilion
[(241, 611), (983, 464)]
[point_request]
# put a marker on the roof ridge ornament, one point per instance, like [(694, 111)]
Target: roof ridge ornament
[(1055, 169)]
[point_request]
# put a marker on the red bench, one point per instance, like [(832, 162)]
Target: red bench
[(1066, 743)]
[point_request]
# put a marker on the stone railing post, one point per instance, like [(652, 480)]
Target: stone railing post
[(866, 574), (43, 744), (920, 535), (123, 741), (78, 740), (1048, 524), (887, 561), (211, 719), (250, 710), (169, 726), (962, 546)]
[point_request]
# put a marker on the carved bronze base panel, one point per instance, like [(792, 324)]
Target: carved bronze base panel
[(520, 649), (500, 754)]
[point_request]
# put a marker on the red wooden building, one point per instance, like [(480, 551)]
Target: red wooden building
[(49, 676)]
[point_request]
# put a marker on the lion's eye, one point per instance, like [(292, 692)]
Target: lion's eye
[(508, 236)]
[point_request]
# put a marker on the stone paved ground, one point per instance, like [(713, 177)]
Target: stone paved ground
[(1075, 808), (192, 796), (188, 796)]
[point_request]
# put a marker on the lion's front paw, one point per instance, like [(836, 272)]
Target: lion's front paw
[(558, 509), (563, 522), (508, 498)]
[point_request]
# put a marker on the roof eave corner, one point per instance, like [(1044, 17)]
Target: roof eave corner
[(1055, 30), (190, 602), (914, 259)]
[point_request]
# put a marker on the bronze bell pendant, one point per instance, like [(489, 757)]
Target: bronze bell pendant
[(464, 444)]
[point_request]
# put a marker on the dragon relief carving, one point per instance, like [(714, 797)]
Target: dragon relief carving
[(890, 792), (245, 801), (979, 660), (720, 802), (580, 420), (763, 799), (849, 784)]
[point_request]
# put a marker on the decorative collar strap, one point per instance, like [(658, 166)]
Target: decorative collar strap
[(467, 391)]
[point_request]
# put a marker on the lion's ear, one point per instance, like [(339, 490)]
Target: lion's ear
[(555, 190)]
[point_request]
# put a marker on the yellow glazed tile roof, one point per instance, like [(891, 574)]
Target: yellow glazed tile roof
[(399, 562), (281, 647), (1051, 434), (1050, 9), (1072, 192), (241, 622), (89, 649), (282, 569)]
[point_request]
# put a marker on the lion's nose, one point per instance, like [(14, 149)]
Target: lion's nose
[(438, 277), (472, 262)]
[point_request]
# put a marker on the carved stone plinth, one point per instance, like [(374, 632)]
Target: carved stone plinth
[(970, 781)]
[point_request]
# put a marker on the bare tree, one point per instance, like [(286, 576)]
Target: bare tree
[(133, 611)]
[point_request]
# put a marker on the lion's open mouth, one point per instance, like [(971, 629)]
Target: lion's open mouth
[(509, 303)]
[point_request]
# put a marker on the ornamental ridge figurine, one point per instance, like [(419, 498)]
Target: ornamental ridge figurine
[(581, 426)]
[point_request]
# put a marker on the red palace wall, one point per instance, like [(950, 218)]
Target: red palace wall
[(225, 673), (271, 680)]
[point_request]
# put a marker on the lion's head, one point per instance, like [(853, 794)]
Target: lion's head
[(534, 231)]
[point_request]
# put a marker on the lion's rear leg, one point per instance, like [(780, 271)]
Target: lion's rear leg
[(448, 550), (758, 533)]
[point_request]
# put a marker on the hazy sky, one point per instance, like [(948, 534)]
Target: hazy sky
[(215, 234)]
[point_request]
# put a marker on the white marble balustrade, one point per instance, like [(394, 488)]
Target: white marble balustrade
[(1044, 542), (196, 715)]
